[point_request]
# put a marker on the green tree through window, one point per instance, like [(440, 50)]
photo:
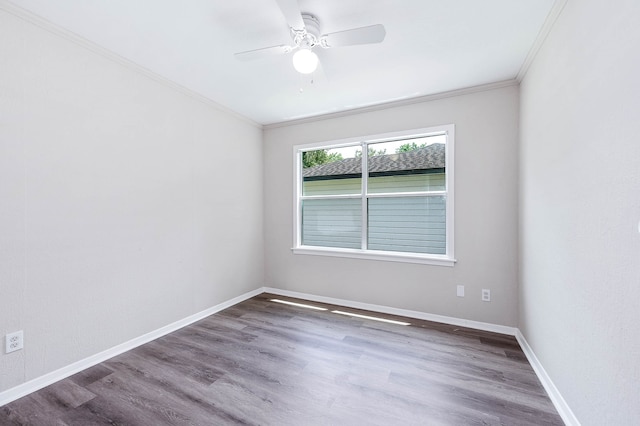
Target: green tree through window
[(320, 156)]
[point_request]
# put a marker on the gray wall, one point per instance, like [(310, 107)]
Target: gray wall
[(580, 206), (113, 219), (486, 213)]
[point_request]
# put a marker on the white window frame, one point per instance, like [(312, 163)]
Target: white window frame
[(446, 259)]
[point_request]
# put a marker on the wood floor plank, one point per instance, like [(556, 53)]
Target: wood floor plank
[(90, 375), (265, 363)]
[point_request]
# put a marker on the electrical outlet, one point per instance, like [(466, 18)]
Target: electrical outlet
[(14, 341), (486, 295), (460, 291)]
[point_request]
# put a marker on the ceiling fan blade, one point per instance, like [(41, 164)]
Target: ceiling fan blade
[(292, 14), (265, 52), (326, 66), (363, 35)]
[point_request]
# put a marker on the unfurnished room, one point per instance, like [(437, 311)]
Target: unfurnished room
[(305, 212)]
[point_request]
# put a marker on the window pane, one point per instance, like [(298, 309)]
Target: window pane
[(332, 171), (408, 224), (332, 223), (408, 165)]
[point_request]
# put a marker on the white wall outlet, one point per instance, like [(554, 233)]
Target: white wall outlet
[(486, 295), (14, 341), (460, 291)]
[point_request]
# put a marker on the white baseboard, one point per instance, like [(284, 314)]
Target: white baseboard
[(495, 328), (554, 394), (64, 372)]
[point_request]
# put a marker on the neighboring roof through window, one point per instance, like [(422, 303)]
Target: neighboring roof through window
[(427, 159)]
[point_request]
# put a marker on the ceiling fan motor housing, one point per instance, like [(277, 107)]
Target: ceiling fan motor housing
[(309, 36), (312, 24)]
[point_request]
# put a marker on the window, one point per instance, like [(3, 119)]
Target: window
[(394, 202)]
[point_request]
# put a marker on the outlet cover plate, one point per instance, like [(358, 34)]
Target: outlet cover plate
[(14, 341), (486, 295)]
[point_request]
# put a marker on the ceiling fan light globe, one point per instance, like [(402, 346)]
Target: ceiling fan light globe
[(305, 61)]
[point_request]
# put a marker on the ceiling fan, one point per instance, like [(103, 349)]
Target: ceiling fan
[(305, 32)]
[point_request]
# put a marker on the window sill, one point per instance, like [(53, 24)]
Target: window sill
[(376, 255)]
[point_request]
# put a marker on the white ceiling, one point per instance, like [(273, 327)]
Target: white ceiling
[(432, 46)]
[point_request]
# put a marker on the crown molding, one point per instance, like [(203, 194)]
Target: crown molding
[(59, 31), (548, 24), (19, 12), (394, 104)]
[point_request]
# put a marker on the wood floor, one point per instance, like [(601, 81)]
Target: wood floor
[(265, 363)]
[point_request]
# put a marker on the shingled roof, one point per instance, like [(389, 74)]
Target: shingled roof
[(430, 157)]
